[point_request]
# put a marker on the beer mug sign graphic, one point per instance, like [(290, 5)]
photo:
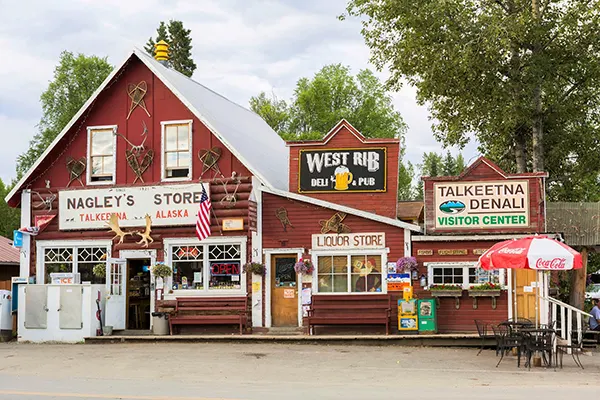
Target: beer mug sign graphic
[(343, 177)]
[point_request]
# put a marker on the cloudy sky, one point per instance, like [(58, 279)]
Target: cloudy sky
[(241, 47)]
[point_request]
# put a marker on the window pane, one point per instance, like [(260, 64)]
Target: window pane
[(366, 274), (340, 264), (324, 265), (325, 283), (96, 165), (224, 275), (183, 159), (437, 272), (102, 142), (458, 271), (108, 164), (187, 275), (340, 283), (86, 270), (57, 268), (171, 160), (182, 137), (171, 137), (437, 279)]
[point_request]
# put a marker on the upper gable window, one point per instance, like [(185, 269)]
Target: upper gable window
[(176, 150), (101, 155)]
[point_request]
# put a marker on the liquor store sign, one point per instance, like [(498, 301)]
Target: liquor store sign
[(487, 204), (343, 170), (166, 205)]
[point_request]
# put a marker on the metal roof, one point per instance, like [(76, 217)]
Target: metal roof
[(578, 222), (242, 131), (249, 138), (8, 254)]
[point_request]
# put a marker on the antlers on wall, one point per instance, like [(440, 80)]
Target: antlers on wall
[(113, 223)]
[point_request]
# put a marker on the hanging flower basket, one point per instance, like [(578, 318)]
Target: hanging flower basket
[(304, 267), (407, 265), (255, 268), (99, 270), (161, 271)]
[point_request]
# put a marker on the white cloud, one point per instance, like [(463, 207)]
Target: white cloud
[(241, 48)]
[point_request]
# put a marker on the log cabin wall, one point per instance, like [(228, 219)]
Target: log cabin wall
[(111, 107)]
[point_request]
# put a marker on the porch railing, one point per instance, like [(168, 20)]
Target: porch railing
[(562, 315)]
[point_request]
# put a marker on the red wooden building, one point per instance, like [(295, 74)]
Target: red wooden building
[(121, 184)]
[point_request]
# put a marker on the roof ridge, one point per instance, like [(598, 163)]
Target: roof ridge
[(192, 80)]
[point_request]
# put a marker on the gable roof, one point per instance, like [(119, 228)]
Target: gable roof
[(342, 124), (410, 210), (492, 165), (245, 134), (345, 209), (8, 254)]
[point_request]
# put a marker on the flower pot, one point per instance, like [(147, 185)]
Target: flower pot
[(493, 293), (446, 293)]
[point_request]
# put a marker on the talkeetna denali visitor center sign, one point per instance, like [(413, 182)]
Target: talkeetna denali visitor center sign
[(166, 205), (481, 204), (343, 170)]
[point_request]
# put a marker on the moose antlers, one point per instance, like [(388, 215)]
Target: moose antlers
[(113, 223)]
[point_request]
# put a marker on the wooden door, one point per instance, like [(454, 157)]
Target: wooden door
[(284, 291), (525, 293)]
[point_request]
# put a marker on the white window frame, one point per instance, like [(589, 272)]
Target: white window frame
[(383, 253), (465, 265), (41, 245), (88, 167), (169, 243), (163, 171)]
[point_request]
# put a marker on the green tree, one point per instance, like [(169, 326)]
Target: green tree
[(406, 175), (523, 75), (76, 77), (331, 95), (9, 217), (180, 46), (434, 165)]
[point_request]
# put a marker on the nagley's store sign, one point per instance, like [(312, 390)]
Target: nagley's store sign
[(166, 205), (493, 204), (343, 170)]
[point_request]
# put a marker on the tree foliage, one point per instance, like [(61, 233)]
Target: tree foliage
[(76, 77), (180, 46), (522, 75), (9, 217), (434, 165), (331, 95)]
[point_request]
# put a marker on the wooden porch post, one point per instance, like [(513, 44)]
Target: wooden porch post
[(578, 282)]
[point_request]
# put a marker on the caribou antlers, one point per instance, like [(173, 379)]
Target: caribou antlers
[(113, 223), (146, 234)]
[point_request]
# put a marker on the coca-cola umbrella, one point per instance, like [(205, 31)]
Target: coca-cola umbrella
[(535, 252), (538, 253)]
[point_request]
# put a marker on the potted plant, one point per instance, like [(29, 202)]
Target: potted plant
[(487, 289), (407, 265), (255, 268), (304, 267)]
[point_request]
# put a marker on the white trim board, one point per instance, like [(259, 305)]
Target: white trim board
[(447, 238), (345, 209)]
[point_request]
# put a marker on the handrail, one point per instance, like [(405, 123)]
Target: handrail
[(565, 305)]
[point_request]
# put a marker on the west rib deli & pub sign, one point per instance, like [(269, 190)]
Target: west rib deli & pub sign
[(343, 170), (487, 204)]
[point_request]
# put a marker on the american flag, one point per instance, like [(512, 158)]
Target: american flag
[(203, 217)]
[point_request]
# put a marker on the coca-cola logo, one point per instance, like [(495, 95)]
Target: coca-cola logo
[(555, 263), (507, 250)]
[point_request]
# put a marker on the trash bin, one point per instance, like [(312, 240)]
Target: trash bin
[(160, 323)]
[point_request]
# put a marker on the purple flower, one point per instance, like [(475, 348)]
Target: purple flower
[(407, 264)]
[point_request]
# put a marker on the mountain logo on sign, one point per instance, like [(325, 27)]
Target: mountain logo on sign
[(452, 207)]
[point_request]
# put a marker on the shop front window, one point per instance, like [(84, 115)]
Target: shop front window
[(57, 260), (349, 274), (87, 258), (463, 275), (188, 267), (225, 267)]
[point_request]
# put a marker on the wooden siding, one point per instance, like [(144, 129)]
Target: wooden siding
[(382, 203)]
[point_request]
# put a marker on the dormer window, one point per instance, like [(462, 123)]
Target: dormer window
[(176, 150), (101, 155)]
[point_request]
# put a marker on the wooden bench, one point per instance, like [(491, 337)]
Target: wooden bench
[(210, 311), (350, 309)]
